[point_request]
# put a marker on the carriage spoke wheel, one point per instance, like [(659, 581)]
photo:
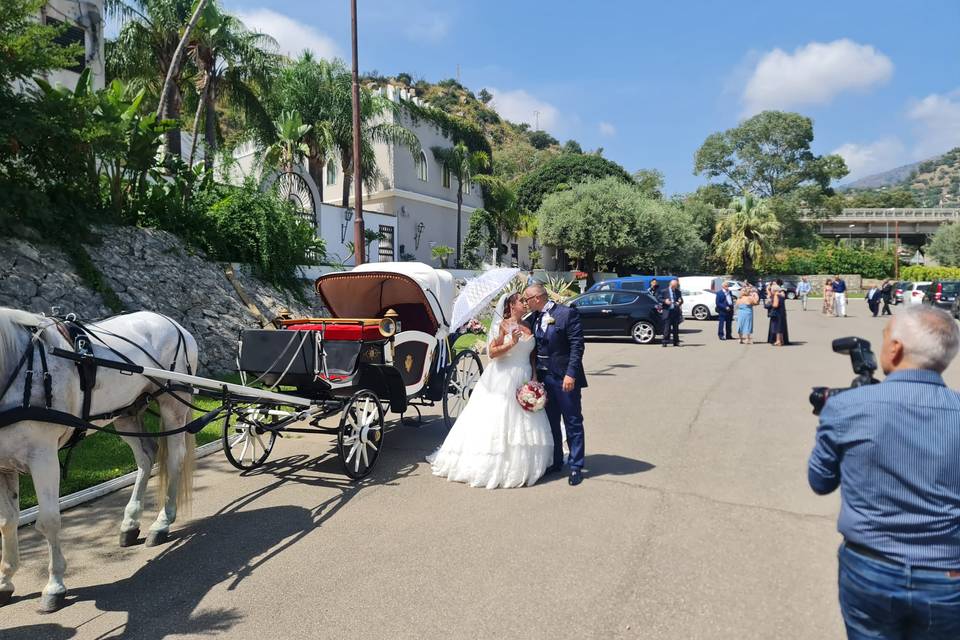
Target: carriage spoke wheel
[(461, 378), (360, 436), (246, 444)]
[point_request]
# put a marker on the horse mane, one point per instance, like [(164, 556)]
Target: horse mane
[(10, 321)]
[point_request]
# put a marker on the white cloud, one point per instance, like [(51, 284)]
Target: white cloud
[(867, 159), (813, 74), (292, 36), (519, 106), (938, 123), (607, 129)]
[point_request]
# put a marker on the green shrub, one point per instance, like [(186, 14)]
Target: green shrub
[(830, 258), (916, 273)]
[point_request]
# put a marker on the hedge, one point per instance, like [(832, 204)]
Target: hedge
[(916, 273), (831, 259)]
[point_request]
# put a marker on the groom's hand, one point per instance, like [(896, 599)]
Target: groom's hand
[(568, 383)]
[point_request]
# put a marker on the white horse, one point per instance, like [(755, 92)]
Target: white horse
[(31, 447)]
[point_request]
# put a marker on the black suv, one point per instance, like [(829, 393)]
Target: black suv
[(619, 313), (942, 293)]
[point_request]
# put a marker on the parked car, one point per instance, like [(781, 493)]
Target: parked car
[(630, 283), (917, 291), (790, 284), (942, 293), (700, 305), (898, 290), (619, 313), (696, 284)]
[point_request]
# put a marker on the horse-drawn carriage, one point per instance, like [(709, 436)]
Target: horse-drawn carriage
[(385, 345)]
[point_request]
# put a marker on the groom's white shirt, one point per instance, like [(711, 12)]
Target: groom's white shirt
[(545, 316)]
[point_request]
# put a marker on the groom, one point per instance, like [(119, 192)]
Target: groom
[(559, 365)]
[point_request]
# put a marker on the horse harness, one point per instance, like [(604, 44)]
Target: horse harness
[(81, 338)]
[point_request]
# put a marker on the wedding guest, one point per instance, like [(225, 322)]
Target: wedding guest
[(724, 303), (828, 298), (777, 332), (839, 297), (671, 302), (886, 294), (654, 289), (762, 291), (745, 303), (803, 290), (873, 300)]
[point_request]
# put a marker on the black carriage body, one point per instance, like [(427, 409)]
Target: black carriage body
[(290, 357)]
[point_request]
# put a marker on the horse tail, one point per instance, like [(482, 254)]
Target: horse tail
[(185, 481)]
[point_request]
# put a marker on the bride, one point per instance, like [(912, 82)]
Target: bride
[(495, 442)]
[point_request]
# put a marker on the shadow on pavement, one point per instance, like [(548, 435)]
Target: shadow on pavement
[(160, 598), (39, 632), (603, 464)]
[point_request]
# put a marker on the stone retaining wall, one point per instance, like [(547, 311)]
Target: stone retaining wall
[(149, 270)]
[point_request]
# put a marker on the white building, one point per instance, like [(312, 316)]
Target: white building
[(84, 20)]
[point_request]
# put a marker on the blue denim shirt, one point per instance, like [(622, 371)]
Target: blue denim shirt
[(894, 450), (839, 286)]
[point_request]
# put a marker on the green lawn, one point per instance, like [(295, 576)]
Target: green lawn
[(101, 456)]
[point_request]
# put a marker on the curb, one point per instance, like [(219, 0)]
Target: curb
[(27, 516)]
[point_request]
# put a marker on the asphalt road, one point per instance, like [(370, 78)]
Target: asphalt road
[(694, 521)]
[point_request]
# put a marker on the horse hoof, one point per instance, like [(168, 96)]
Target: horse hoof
[(129, 538), (157, 537), (5, 597), (52, 602)]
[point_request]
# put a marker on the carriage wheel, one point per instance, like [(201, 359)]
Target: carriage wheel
[(246, 444), (461, 377), (360, 436)]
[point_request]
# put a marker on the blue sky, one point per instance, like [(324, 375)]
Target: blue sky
[(648, 81)]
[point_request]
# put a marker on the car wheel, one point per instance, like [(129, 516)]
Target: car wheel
[(643, 332), (791, 295), (701, 312)]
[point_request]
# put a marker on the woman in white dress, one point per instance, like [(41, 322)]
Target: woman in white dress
[(495, 442)]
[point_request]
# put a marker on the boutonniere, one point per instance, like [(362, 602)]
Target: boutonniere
[(550, 320)]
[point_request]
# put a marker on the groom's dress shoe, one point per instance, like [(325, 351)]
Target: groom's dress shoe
[(576, 477)]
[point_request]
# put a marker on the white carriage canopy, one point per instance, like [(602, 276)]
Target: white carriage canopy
[(421, 295)]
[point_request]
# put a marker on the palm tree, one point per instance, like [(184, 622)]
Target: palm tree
[(320, 90), (234, 64), (743, 235), (289, 147), (462, 163), (145, 52)]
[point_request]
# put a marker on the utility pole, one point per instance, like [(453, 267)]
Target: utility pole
[(536, 116), (896, 249), (458, 73), (358, 239)]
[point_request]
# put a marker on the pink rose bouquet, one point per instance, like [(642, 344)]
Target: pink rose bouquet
[(532, 396)]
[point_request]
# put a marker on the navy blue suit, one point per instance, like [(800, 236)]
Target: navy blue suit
[(671, 314), (560, 353), (724, 315)]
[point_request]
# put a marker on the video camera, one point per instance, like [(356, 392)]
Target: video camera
[(864, 364)]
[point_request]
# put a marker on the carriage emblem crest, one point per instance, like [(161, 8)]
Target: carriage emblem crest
[(408, 363)]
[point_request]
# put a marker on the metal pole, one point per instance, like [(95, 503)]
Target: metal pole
[(896, 249), (358, 240)]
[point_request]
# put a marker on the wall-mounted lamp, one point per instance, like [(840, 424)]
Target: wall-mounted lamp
[(347, 214), (416, 236)]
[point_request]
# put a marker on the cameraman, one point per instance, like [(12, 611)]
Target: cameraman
[(894, 449)]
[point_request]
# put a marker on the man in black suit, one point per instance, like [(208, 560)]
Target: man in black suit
[(886, 293), (671, 303)]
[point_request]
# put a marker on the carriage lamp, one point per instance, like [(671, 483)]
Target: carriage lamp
[(416, 236), (347, 214), (390, 324)]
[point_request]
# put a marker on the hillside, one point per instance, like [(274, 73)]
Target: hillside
[(932, 183), (517, 149)]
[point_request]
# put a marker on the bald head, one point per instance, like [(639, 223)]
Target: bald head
[(535, 296), (920, 337)]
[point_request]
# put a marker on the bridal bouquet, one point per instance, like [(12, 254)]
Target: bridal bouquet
[(532, 396)]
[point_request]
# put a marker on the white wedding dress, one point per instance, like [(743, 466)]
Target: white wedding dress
[(494, 442)]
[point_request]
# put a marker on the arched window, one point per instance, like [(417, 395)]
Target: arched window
[(421, 162), (331, 172), (446, 177)]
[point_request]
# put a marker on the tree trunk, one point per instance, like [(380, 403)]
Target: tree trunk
[(172, 112), (459, 216), (316, 169), (210, 115), (196, 122), (347, 175), (747, 266)]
